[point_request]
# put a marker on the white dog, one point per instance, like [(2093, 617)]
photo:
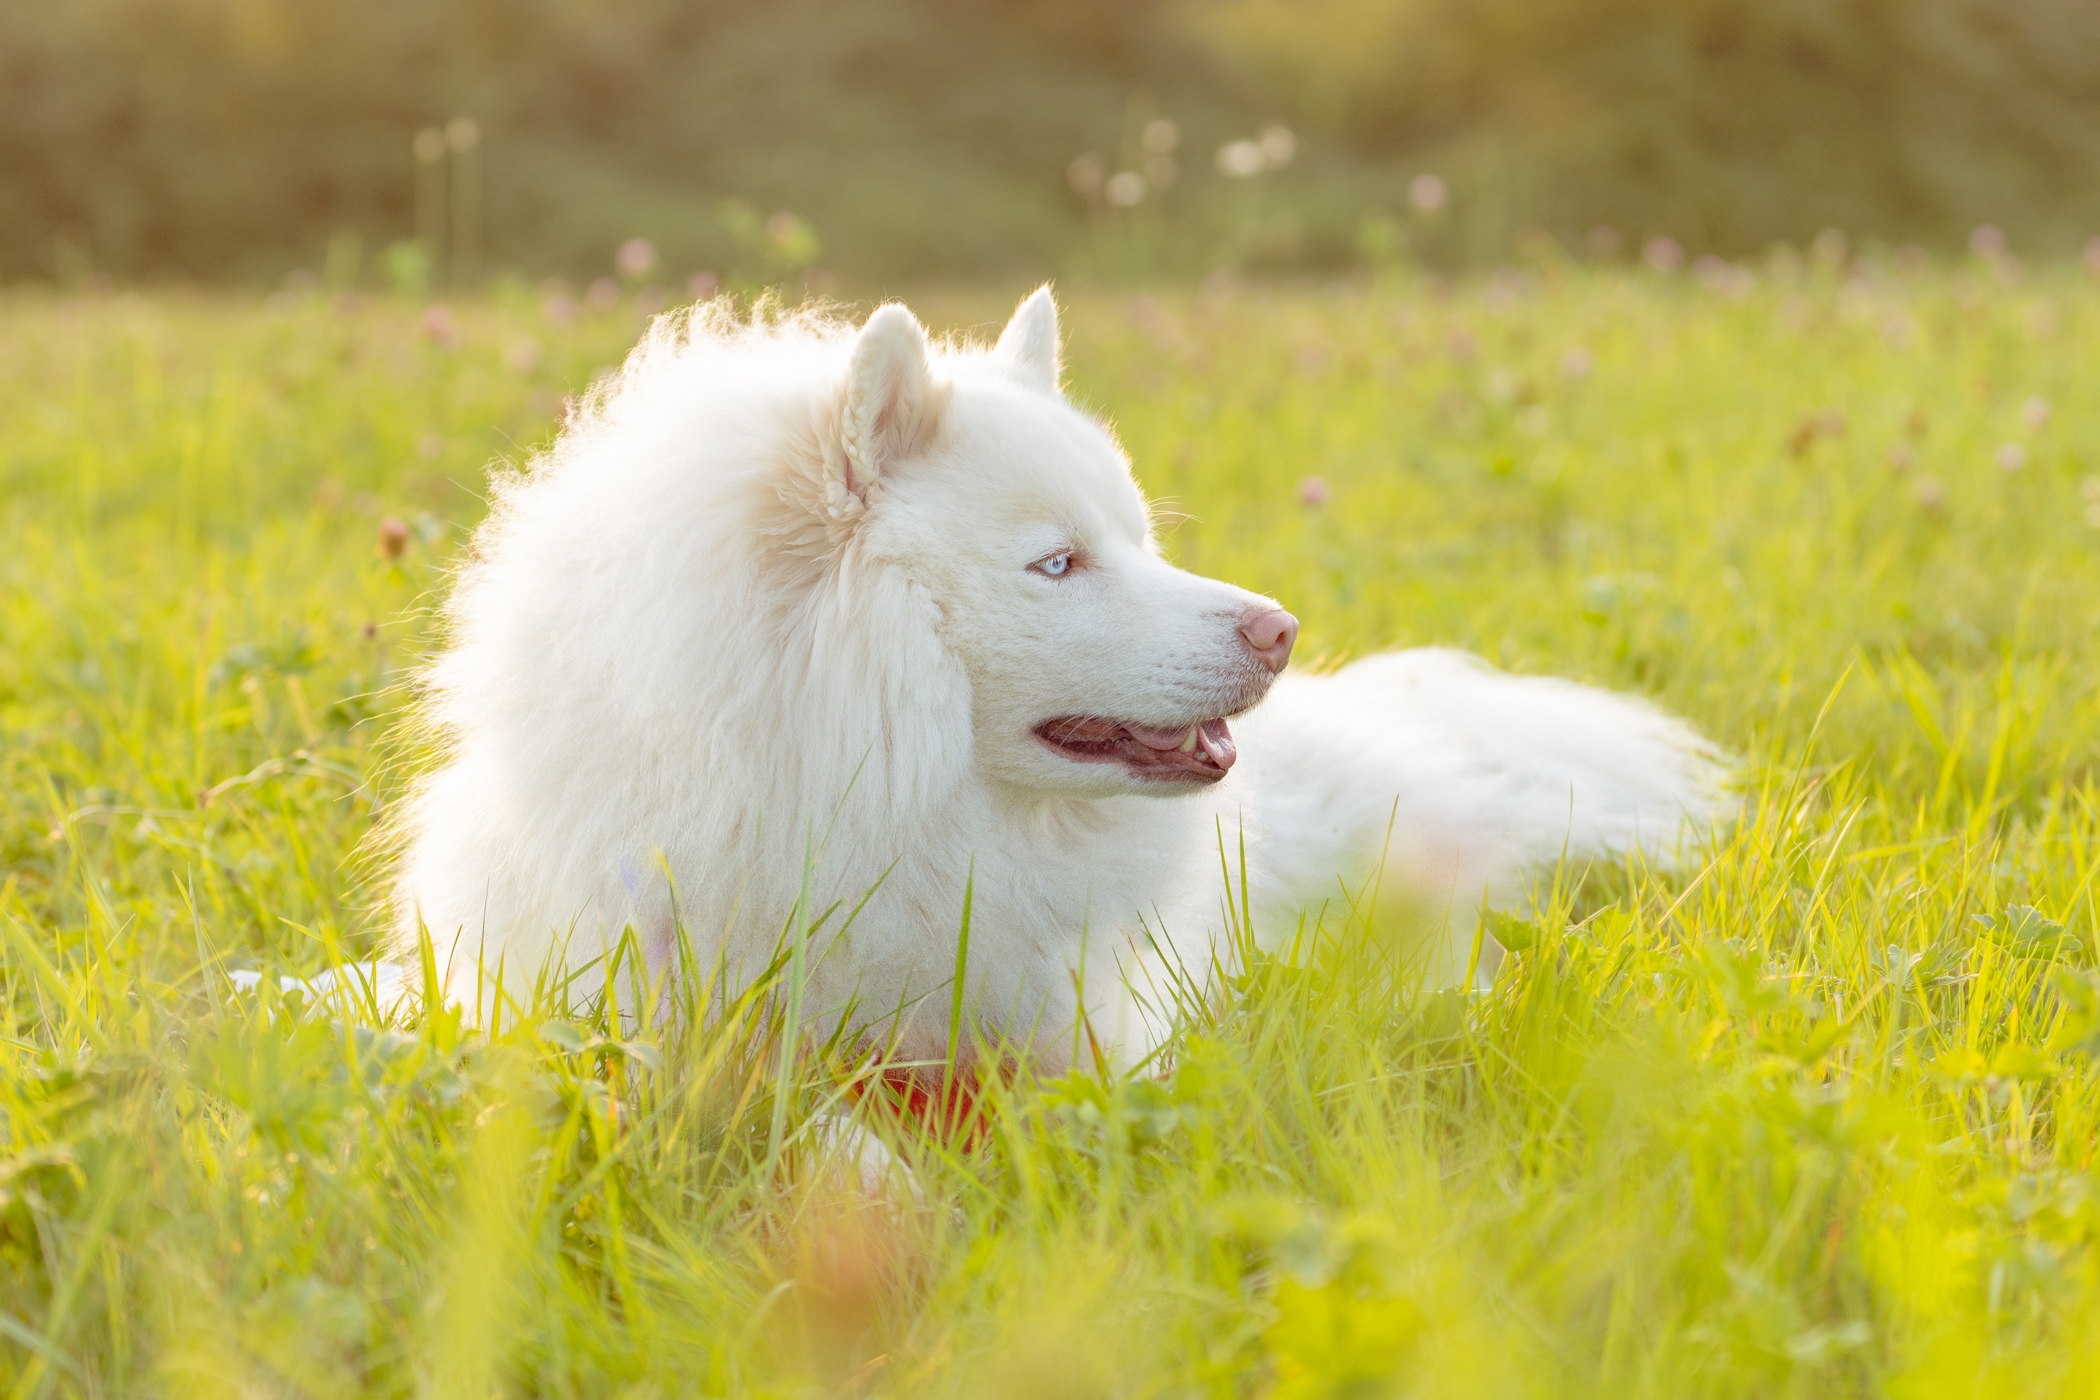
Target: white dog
[(797, 613)]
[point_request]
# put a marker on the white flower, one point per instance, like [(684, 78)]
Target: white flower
[(1240, 159), (1124, 188)]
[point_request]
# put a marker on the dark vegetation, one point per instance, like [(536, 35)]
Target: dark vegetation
[(935, 139)]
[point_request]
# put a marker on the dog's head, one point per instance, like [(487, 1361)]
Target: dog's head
[(1095, 666)]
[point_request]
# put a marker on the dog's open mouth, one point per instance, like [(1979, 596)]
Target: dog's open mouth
[(1199, 753)]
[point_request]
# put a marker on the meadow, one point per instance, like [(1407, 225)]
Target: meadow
[(1814, 1116)]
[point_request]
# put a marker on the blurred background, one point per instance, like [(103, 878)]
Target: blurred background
[(864, 142)]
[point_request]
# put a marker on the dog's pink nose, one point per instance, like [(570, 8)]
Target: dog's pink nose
[(1270, 632)]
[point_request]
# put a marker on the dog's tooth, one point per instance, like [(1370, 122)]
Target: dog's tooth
[(1188, 744)]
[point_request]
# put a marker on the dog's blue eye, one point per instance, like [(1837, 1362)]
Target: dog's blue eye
[(1055, 565)]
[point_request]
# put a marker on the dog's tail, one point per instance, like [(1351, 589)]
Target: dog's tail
[(1553, 767)]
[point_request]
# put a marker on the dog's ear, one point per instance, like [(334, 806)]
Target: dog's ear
[(1028, 345), (892, 405)]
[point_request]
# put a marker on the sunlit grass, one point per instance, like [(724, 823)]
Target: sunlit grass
[(1814, 1117)]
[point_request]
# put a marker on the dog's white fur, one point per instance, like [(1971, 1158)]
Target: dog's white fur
[(770, 601)]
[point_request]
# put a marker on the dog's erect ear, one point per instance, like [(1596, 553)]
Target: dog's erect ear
[(1028, 345), (892, 405)]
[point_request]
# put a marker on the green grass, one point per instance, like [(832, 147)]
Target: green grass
[(1816, 1118)]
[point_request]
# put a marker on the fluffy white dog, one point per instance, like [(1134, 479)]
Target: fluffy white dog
[(796, 612)]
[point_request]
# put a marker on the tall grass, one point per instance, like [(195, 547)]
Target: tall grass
[(1813, 1117)]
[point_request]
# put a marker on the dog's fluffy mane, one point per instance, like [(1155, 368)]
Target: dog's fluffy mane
[(720, 434)]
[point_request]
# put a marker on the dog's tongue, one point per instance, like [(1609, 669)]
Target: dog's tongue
[(1211, 736)]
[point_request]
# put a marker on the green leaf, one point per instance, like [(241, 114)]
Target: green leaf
[(2026, 932), (563, 1036), (1514, 934), (647, 1056), (2078, 1032), (2017, 1061)]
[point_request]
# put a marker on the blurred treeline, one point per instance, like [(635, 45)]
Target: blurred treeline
[(916, 139)]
